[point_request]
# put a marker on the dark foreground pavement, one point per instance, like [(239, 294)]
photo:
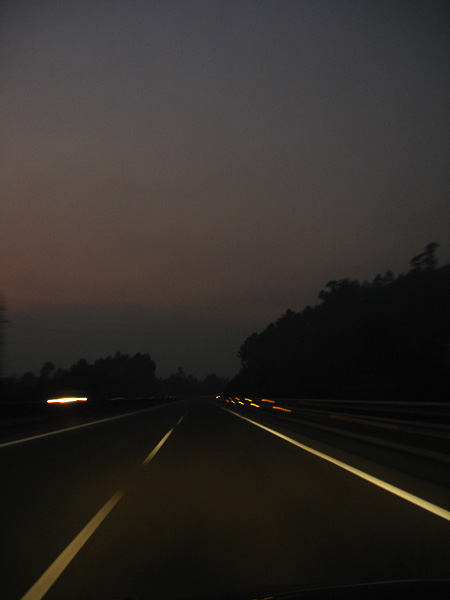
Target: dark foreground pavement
[(222, 507)]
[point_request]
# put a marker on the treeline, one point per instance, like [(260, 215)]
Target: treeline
[(384, 339), (115, 376), (180, 384)]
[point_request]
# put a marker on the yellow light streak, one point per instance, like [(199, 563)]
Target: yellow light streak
[(64, 400), (281, 408), (253, 404), (267, 400)]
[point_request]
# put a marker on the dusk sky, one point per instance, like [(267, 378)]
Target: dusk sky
[(176, 174)]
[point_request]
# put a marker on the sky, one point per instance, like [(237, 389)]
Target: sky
[(176, 174)]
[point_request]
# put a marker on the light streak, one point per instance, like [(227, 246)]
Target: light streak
[(68, 399)]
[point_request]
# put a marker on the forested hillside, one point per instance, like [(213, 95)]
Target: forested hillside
[(384, 339)]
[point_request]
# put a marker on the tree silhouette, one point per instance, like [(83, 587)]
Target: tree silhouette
[(383, 339), (47, 370), (426, 260)]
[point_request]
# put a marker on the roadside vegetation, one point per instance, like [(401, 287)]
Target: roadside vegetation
[(115, 376), (385, 339)]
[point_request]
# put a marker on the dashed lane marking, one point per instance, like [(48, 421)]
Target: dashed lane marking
[(44, 583)]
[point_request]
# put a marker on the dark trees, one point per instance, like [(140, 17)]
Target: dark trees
[(426, 260), (118, 375), (383, 339)]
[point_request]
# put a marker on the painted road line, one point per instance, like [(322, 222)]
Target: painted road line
[(44, 583), (433, 508), (157, 447), (179, 420), (49, 433)]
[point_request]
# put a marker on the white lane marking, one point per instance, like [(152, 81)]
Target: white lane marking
[(433, 508), (157, 447), (42, 435), (44, 583)]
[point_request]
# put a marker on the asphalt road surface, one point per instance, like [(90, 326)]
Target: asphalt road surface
[(189, 500)]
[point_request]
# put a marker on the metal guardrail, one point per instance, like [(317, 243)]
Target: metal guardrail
[(415, 427), (433, 415)]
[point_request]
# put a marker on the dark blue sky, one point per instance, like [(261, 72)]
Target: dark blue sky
[(177, 174)]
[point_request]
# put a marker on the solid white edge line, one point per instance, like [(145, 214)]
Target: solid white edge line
[(42, 435), (157, 447), (44, 583), (433, 508)]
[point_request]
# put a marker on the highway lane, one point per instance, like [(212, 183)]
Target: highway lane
[(53, 485), (223, 506)]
